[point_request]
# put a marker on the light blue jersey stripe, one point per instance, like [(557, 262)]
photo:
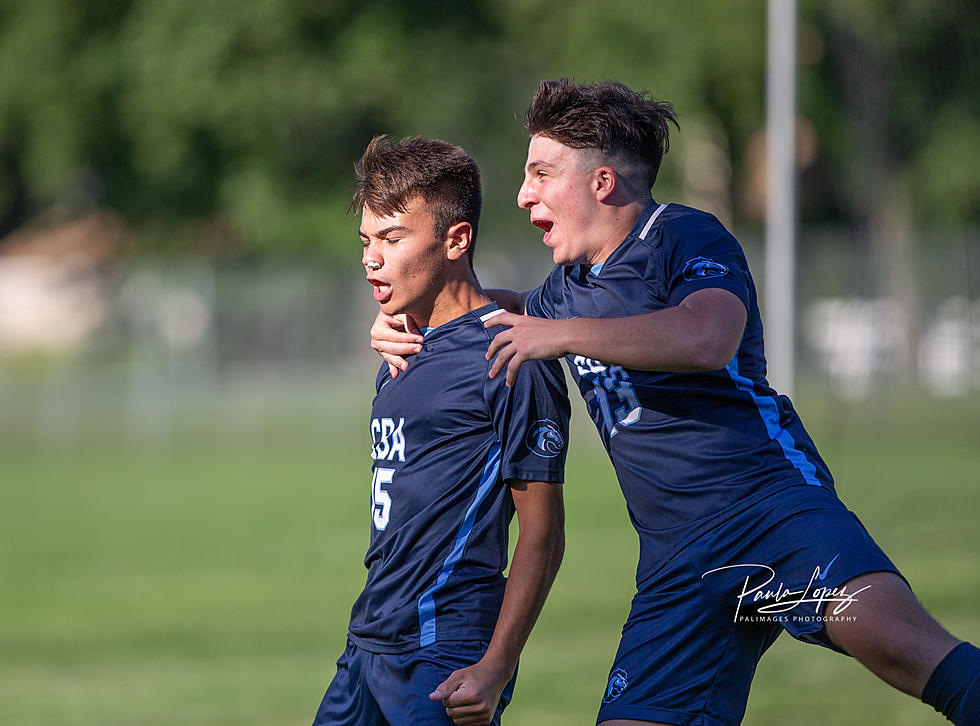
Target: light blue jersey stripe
[(427, 603), (770, 416)]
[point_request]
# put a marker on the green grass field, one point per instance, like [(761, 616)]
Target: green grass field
[(207, 585)]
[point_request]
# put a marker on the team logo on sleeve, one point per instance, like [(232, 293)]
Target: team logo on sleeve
[(618, 681), (544, 438), (701, 267)]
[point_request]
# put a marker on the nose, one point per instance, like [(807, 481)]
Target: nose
[(371, 257), (525, 198)]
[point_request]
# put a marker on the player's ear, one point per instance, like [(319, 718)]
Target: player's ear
[(604, 182), (458, 239)]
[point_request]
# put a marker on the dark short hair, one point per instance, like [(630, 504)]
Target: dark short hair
[(626, 126), (392, 173)]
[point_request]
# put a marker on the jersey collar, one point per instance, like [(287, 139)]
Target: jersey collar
[(644, 223), (483, 313), (641, 230)]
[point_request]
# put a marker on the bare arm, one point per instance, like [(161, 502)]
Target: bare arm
[(471, 694), (702, 333)]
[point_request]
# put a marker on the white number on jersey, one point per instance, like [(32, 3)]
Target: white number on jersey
[(381, 499), (609, 380)]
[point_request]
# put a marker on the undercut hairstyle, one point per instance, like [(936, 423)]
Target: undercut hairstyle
[(628, 128), (393, 173)]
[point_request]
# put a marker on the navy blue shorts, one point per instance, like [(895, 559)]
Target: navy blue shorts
[(380, 689), (696, 632)]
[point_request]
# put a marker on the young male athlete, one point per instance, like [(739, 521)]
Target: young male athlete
[(741, 532), (435, 635)]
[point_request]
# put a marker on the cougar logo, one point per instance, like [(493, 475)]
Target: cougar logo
[(545, 439), (618, 681), (701, 267)]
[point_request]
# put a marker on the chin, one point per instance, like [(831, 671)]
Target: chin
[(391, 308), (564, 259)]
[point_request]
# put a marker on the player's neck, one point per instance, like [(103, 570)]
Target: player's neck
[(612, 227), (457, 297)]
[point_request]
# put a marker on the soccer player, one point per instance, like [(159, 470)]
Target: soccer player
[(435, 635), (741, 532)]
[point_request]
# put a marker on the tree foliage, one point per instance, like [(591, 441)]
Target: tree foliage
[(217, 123)]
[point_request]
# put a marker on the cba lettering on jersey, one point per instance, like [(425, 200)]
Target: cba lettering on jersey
[(388, 438), (585, 366)]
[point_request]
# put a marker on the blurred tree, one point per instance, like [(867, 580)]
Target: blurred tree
[(213, 124), (184, 114), (221, 121), (895, 90), (895, 99)]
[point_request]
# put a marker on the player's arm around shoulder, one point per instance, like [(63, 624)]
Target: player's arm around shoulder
[(471, 694), (394, 337), (701, 333)]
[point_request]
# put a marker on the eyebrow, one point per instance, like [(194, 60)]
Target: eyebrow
[(532, 165), (386, 231)]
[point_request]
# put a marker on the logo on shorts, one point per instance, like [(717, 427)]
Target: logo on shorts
[(618, 681), (545, 439), (701, 267)]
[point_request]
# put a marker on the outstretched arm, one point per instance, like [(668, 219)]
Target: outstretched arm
[(701, 333), (471, 694)]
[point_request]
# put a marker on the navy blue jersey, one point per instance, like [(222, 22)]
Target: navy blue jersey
[(689, 449), (446, 439)]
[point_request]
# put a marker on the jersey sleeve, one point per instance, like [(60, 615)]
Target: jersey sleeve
[(531, 421), (540, 301), (534, 303), (702, 254), (384, 375)]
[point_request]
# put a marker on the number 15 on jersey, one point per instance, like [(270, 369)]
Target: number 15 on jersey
[(380, 498), (609, 381)]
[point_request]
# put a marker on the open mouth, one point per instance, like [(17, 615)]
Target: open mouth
[(382, 290), (546, 225)]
